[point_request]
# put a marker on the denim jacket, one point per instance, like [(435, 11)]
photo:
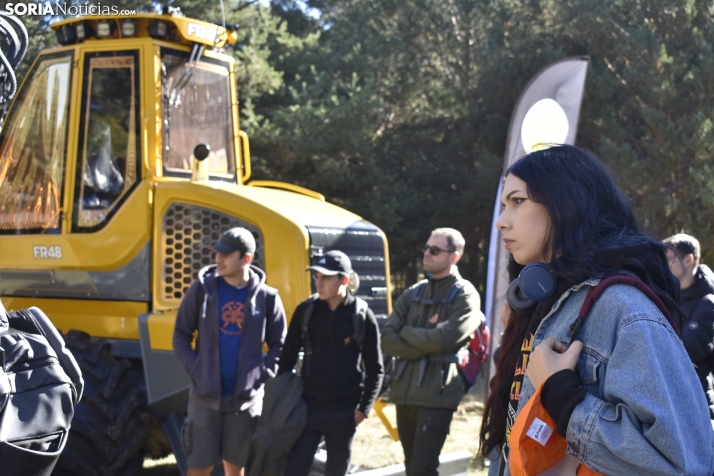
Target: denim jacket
[(644, 412)]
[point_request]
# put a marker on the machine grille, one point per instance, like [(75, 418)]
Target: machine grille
[(363, 243), (188, 231)]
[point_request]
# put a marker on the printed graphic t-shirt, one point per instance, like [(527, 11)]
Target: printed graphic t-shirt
[(231, 312), (542, 309)]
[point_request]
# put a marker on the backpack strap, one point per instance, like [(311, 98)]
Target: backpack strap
[(307, 344), (416, 293), (455, 290), (596, 291), (358, 325), (358, 321)]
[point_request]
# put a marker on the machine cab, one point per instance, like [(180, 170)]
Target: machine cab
[(120, 105), (102, 90)]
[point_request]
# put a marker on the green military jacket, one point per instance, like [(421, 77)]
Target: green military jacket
[(409, 336)]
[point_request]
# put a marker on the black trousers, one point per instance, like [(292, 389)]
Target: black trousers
[(422, 431), (339, 432)]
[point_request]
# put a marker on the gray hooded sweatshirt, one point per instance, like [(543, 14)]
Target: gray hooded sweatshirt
[(199, 312)]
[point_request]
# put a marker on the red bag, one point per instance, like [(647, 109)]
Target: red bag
[(473, 357)]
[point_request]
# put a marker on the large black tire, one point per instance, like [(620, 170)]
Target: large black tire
[(108, 425)]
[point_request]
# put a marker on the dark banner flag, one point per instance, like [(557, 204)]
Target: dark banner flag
[(547, 112)]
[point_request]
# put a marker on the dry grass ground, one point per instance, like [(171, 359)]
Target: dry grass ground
[(374, 448)]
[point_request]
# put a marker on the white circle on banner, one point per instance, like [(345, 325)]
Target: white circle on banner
[(545, 123)]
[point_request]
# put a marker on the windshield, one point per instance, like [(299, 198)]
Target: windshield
[(32, 155), (197, 110)]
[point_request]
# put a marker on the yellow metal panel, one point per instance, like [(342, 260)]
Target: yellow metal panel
[(287, 186), (387, 273), (147, 95), (156, 111), (379, 410), (90, 46), (300, 209), (71, 157), (217, 56), (113, 246), (281, 217), (240, 138), (286, 241), (108, 319), (161, 330)]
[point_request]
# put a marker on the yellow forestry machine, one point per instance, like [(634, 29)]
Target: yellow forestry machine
[(121, 162)]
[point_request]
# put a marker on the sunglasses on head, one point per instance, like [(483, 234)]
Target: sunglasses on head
[(435, 250)]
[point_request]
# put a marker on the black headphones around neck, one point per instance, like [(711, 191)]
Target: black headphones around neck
[(535, 283)]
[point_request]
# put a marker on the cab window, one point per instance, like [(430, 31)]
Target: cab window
[(197, 110), (33, 149), (108, 161)]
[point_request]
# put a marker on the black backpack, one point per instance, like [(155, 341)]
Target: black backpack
[(358, 320), (40, 384)]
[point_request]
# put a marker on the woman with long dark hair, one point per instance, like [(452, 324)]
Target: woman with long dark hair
[(624, 395)]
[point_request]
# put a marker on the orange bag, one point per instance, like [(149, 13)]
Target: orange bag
[(536, 446)]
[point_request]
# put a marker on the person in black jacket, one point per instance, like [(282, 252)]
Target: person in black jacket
[(697, 305), (342, 376)]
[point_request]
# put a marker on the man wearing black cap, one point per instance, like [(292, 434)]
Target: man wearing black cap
[(342, 370), (697, 304), (232, 308)]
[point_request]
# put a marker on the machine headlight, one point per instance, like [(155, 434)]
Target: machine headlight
[(128, 28), (158, 29), (66, 35), (104, 29), (84, 30)]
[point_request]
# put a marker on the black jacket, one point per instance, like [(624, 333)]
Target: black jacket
[(697, 305), (280, 425), (337, 381)]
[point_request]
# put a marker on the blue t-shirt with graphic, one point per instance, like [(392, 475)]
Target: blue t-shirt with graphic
[(231, 312)]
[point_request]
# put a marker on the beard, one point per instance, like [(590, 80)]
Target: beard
[(435, 268)]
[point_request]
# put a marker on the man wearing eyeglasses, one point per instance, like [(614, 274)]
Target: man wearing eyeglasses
[(425, 333), (697, 304)]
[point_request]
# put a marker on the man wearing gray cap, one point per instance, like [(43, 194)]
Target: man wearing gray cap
[(232, 309), (342, 370)]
